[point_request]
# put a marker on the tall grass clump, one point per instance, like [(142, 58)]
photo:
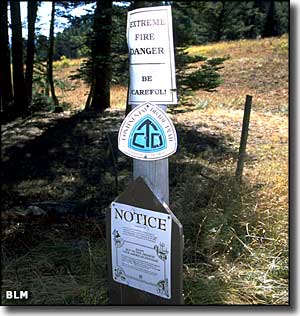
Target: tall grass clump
[(58, 272), (229, 258)]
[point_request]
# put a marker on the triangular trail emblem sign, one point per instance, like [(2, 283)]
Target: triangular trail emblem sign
[(147, 133)]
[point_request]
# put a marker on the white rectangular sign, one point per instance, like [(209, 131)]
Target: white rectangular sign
[(151, 56), (141, 249)]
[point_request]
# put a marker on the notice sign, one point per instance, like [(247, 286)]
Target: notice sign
[(147, 133), (151, 56), (141, 249)]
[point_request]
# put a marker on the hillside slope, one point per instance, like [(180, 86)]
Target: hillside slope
[(245, 233), (59, 177)]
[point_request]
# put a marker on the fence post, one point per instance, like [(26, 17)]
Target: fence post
[(243, 141)]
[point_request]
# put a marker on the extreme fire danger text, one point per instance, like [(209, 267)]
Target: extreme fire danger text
[(151, 53)]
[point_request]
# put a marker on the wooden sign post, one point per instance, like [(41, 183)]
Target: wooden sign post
[(152, 79), (137, 271), (144, 238)]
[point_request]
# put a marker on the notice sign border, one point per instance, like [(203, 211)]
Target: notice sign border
[(141, 249), (166, 66), (164, 126)]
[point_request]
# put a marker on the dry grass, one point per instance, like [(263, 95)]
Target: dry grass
[(77, 91), (236, 238), (246, 231), (118, 96), (258, 273), (59, 272), (255, 67)]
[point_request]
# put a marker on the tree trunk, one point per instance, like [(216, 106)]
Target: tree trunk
[(89, 98), (32, 12), (6, 94), (220, 22), (270, 23), (50, 56), (20, 97), (101, 55)]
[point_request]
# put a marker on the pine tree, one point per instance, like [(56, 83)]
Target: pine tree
[(270, 26), (20, 97), (101, 57), (32, 13), (6, 95), (50, 56)]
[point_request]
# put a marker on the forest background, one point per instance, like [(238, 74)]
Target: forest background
[(195, 23)]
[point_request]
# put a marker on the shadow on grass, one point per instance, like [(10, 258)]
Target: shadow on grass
[(70, 166), (69, 162)]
